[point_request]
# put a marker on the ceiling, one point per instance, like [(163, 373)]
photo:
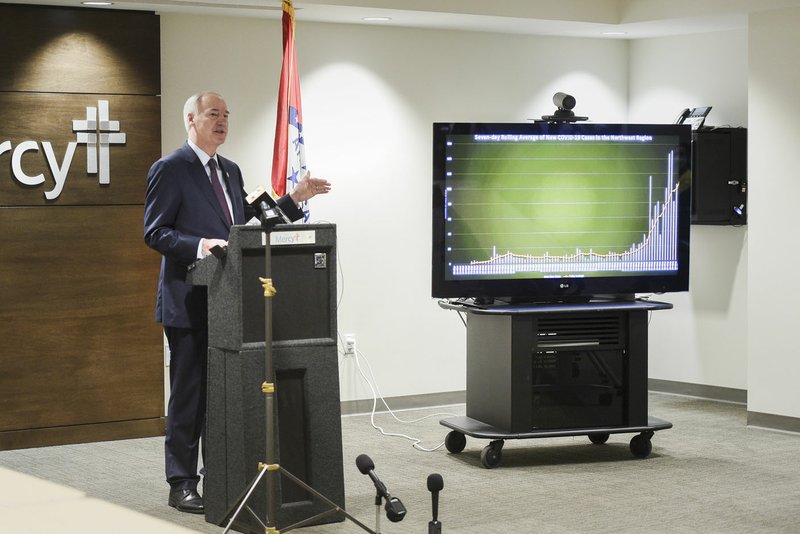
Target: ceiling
[(625, 19)]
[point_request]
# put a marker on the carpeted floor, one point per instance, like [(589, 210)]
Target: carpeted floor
[(709, 473)]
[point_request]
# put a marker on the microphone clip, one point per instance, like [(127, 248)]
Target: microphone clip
[(394, 508), (395, 511), (267, 217)]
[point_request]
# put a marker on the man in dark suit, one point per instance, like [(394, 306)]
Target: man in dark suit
[(185, 215)]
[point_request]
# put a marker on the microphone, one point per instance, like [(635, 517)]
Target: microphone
[(266, 206), (435, 485), (395, 511)]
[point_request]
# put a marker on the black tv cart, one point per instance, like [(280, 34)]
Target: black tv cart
[(555, 369)]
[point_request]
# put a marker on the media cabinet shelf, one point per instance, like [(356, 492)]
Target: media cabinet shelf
[(461, 426), (553, 370)]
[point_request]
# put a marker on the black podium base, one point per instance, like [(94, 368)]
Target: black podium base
[(309, 433)]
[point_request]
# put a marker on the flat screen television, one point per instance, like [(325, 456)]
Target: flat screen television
[(561, 212)]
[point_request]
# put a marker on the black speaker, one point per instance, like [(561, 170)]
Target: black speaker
[(719, 176)]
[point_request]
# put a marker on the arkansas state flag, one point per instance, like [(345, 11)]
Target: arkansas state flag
[(289, 154)]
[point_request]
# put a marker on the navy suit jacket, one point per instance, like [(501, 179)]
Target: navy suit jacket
[(180, 209)]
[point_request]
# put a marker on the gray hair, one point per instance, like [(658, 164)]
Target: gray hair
[(192, 106)]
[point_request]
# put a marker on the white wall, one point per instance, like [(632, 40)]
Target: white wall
[(703, 340), (369, 97), (773, 284)]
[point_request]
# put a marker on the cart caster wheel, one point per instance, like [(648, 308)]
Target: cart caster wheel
[(455, 442), (598, 439), (641, 446), (492, 454)]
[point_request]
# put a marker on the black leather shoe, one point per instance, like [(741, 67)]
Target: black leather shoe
[(186, 500)]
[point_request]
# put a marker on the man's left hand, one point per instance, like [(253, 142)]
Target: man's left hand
[(309, 187)]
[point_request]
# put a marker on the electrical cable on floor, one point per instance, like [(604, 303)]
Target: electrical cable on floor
[(372, 384), (415, 442)]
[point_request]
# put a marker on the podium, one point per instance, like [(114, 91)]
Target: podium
[(305, 359)]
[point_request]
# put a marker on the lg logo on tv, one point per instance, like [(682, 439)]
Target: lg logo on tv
[(97, 132)]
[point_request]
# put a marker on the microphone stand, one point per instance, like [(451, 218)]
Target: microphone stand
[(271, 468), (378, 502)]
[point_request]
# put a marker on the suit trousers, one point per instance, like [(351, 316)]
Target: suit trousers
[(186, 410)]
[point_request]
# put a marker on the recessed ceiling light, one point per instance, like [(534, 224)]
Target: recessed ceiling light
[(97, 3), (612, 33), (376, 19)]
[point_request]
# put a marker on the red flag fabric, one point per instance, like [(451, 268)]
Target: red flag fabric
[(289, 154)]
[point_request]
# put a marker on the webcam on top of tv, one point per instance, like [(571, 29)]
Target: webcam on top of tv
[(563, 113)]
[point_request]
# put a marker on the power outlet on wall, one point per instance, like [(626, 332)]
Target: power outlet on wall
[(349, 343)]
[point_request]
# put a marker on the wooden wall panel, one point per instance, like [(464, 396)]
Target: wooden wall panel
[(81, 356), (78, 50), (80, 343)]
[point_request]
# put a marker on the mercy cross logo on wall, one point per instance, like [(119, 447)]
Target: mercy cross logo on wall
[(97, 132)]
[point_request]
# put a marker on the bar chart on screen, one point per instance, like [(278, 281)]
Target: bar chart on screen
[(576, 221)]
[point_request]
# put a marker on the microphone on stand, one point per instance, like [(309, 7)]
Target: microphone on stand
[(435, 485), (395, 511), (268, 211)]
